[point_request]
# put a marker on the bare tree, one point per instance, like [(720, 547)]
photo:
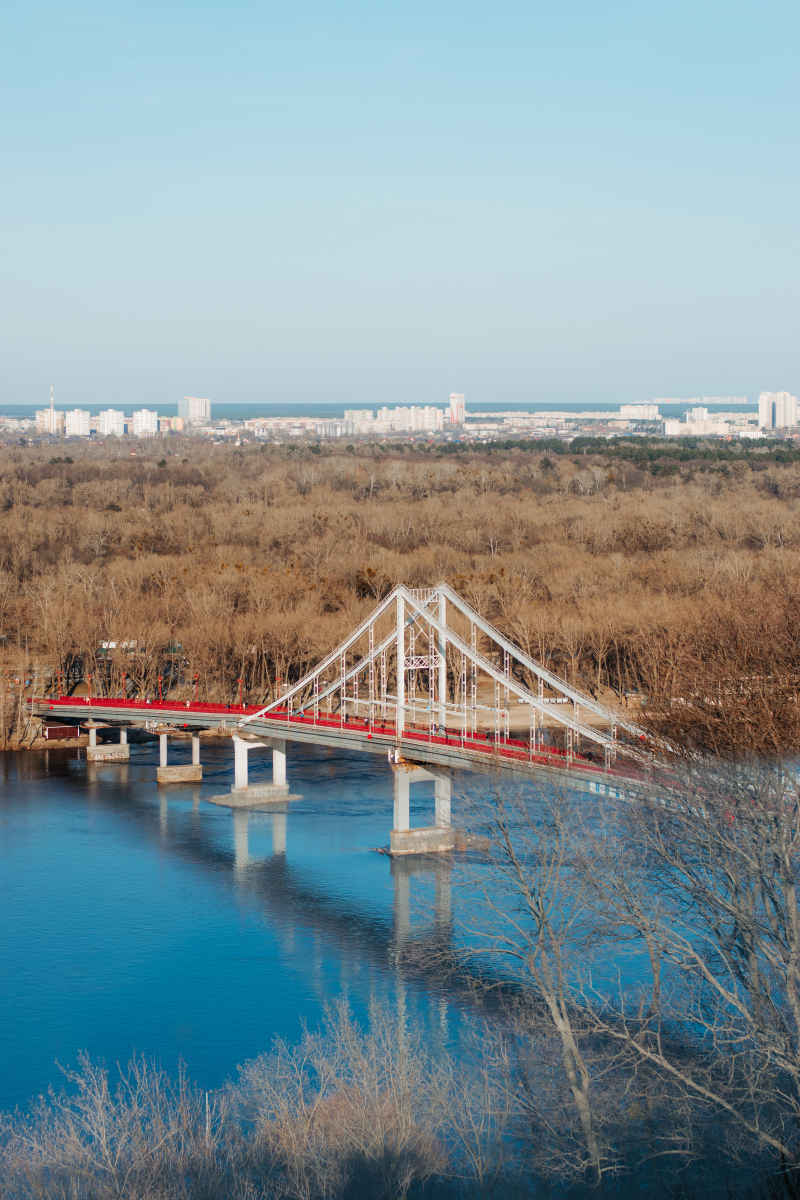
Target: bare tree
[(704, 873), (148, 1136), (531, 917), (345, 1108)]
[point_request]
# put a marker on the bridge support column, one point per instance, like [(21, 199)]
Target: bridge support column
[(428, 839), (441, 791), (182, 774), (195, 750), (240, 749), (278, 763), (402, 790), (243, 794)]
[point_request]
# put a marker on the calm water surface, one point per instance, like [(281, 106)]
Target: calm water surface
[(138, 918)]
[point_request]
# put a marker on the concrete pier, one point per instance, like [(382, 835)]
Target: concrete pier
[(426, 839), (243, 794), (182, 774), (107, 752)]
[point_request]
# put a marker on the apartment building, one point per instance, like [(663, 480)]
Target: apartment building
[(78, 422)]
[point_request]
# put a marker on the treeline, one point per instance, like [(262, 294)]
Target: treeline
[(251, 563), (683, 455)]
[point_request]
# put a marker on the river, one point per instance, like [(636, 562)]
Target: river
[(138, 918)]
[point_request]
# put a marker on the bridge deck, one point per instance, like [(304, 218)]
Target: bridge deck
[(447, 749)]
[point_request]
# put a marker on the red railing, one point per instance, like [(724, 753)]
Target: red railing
[(507, 748)]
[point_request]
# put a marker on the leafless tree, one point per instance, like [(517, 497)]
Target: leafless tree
[(148, 1136), (531, 919), (346, 1107), (703, 872), (653, 945)]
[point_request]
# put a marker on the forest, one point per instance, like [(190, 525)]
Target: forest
[(676, 585)]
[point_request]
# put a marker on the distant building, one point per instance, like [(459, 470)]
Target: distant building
[(48, 420), (171, 424), (777, 410), (331, 429), (111, 423), (457, 410), (145, 423), (695, 428), (194, 410), (78, 423), (417, 419), (640, 412), (696, 414), (359, 415)]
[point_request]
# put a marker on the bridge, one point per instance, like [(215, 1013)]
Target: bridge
[(425, 680)]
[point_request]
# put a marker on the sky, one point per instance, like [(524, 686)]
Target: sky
[(380, 203)]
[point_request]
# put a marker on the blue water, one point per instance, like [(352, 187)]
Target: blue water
[(139, 918)]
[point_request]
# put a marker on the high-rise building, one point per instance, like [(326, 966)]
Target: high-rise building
[(48, 420), (194, 410), (640, 412), (145, 423), (416, 418), (777, 410), (334, 429), (111, 423), (173, 424), (456, 408), (77, 423)]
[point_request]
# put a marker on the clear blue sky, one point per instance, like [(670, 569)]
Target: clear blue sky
[(384, 202)]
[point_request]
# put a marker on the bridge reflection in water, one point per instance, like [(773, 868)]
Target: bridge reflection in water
[(280, 886)]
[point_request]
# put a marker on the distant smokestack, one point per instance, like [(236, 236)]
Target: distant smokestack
[(51, 400)]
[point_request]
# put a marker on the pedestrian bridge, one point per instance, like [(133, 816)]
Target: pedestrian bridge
[(425, 681)]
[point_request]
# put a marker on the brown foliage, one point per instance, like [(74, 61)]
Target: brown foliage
[(258, 561)]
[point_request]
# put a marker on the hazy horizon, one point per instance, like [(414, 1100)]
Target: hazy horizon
[(334, 411)]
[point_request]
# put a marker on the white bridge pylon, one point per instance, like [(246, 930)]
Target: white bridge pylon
[(435, 634)]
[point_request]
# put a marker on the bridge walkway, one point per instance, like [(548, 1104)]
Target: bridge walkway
[(446, 748)]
